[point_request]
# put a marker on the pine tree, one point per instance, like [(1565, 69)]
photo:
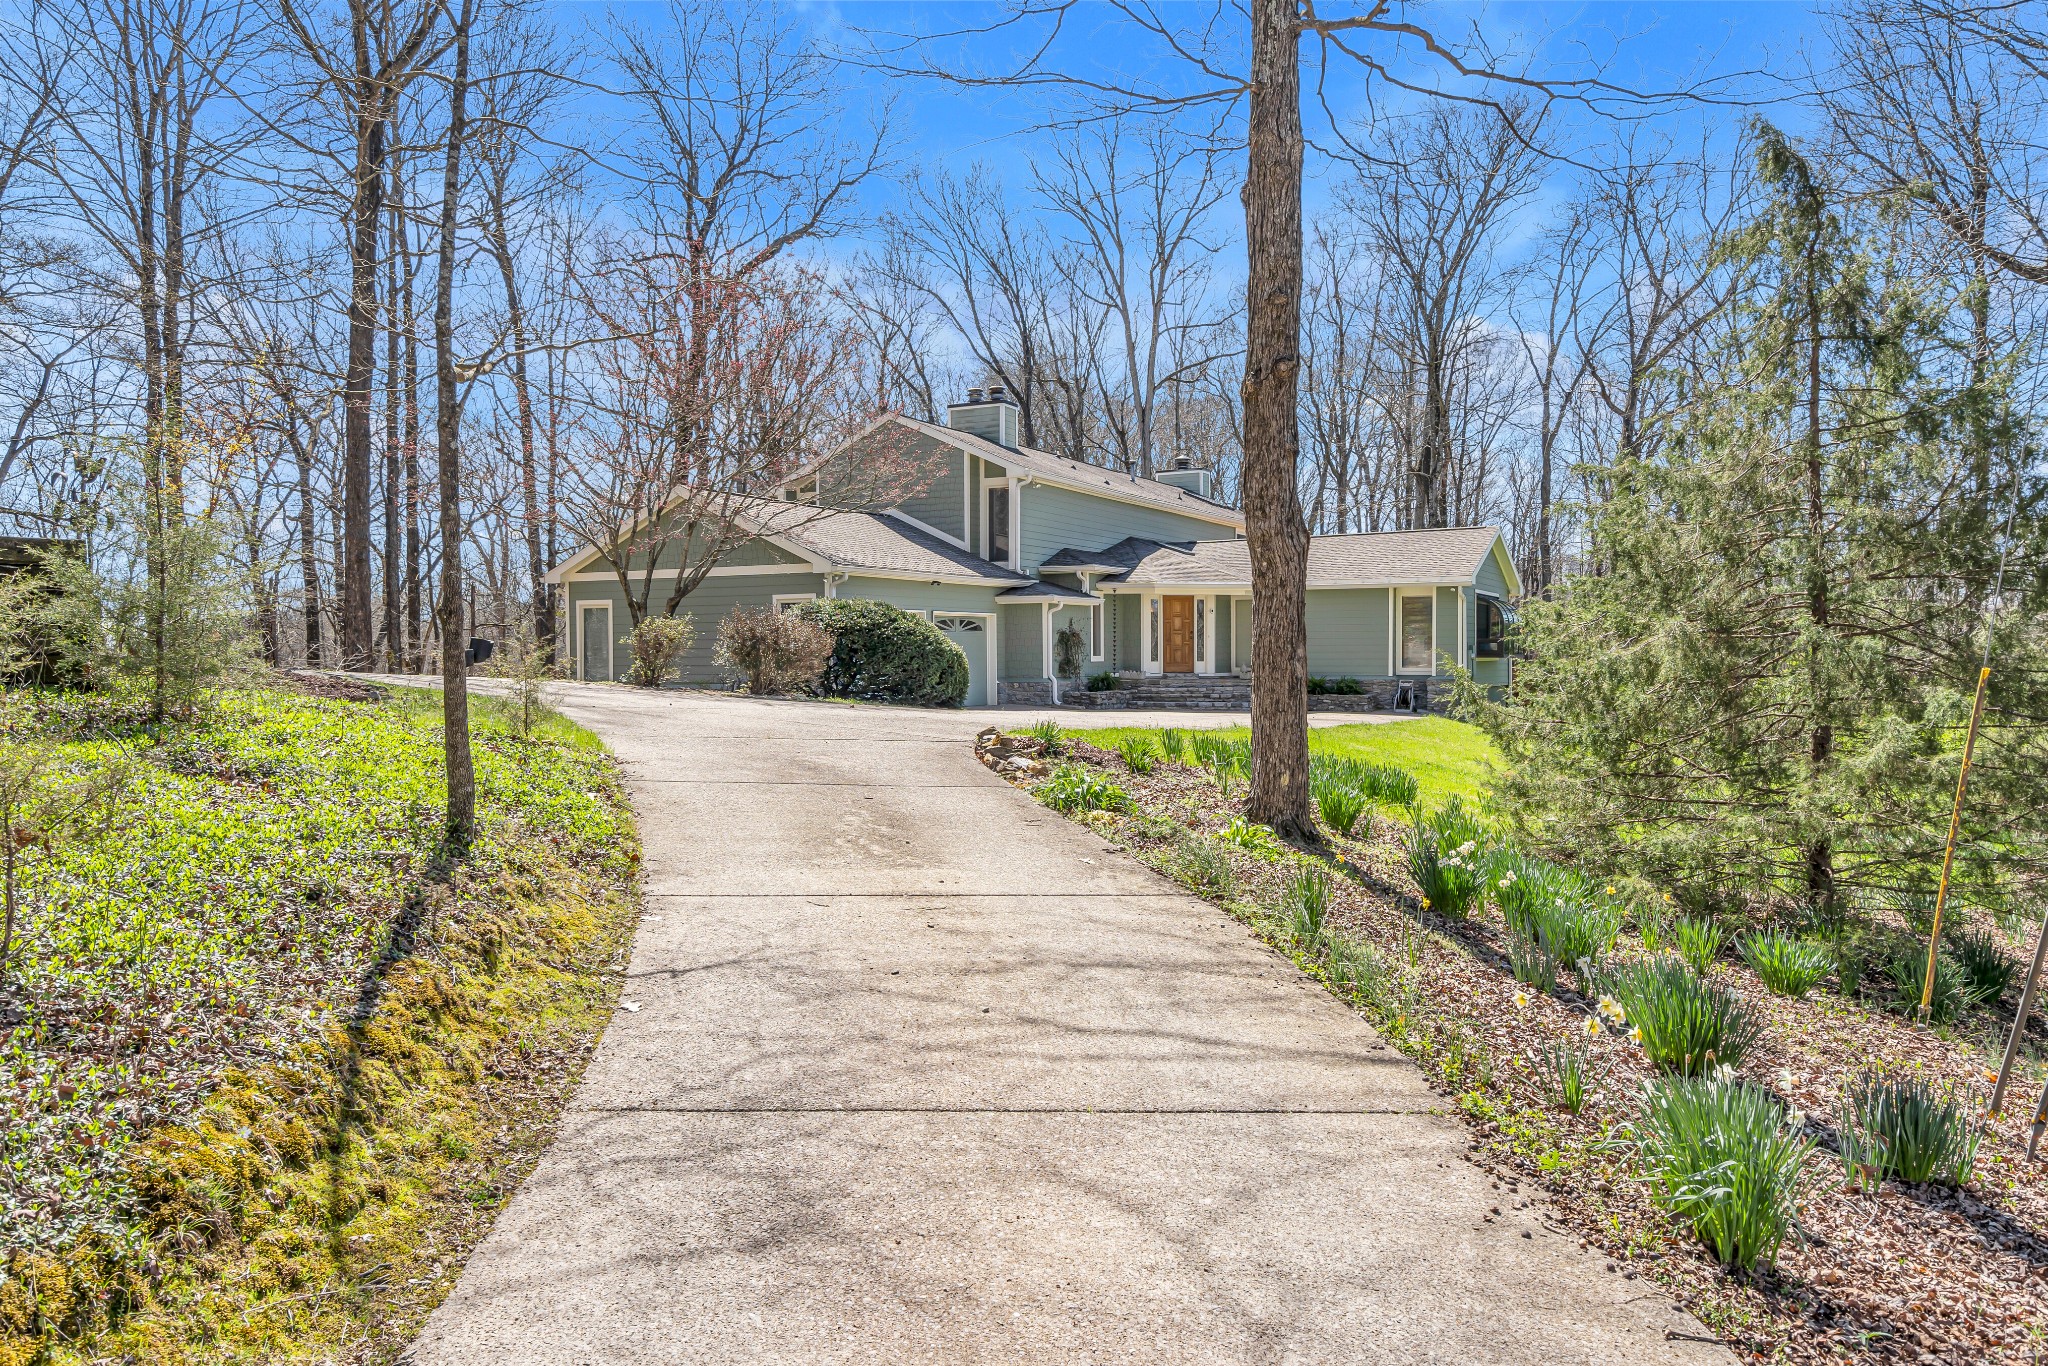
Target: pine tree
[(1762, 692)]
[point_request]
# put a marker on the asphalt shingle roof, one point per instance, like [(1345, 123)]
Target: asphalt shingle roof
[(1449, 555), (1034, 592), (877, 541), (1079, 474)]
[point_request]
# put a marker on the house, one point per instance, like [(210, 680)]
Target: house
[(1005, 547)]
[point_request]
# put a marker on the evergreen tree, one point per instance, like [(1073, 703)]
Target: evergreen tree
[(1762, 692)]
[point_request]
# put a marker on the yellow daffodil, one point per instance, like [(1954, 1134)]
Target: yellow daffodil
[(1592, 1025), (1521, 998), (1636, 1034)]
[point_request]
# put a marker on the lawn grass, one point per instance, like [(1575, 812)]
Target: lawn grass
[(283, 1054), (1448, 758)]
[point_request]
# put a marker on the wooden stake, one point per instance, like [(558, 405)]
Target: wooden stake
[(2019, 1023), (1948, 857)]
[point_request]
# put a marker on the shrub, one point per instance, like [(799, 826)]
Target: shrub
[(1688, 1025), (1561, 1071), (1355, 966), (1048, 733), (1307, 902), (1334, 687), (1698, 940), (1137, 752), (1577, 931), (1445, 859), (1340, 804), (1173, 743), (771, 651), (1381, 784), (1251, 837), (1069, 648), (1905, 967), (1902, 1127), (1105, 681), (1201, 867), (1723, 1160), (658, 644), (1985, 966), (885, 654), (1788, 966), (1072, 788), (1531, 963)]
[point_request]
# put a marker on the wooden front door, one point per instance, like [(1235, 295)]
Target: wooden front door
[(1178, 623)]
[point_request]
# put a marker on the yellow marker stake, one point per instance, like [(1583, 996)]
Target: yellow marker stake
[(1955, 819)]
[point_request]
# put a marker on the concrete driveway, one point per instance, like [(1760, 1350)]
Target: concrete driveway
[(924, 1073)]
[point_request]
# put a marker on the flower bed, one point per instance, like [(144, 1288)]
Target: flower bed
[(1894, 1273)]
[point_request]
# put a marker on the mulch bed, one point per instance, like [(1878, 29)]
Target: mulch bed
[(1910, 1274)]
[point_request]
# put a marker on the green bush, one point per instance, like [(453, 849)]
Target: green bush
[(1201, 867), (1355, 966), (1531, 963), (1981, 955), (885, 654), (1688, 1025), (1577, 931), (1253, 838), (1788, 966), (1561, 1070), (1905, 968), (1339, 803), (1900, 1126), (1137, 753), (1048, 733), (1446, 861), (1306, 900), (1722, 1159), (1073, 788), (1105, 681), (1698, 940), (1334, 687), (658, 644)]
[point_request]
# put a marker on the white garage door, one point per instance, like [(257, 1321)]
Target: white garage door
[(971, 635)]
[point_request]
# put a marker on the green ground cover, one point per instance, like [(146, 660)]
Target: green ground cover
[(1448, 758), (274, 1045)]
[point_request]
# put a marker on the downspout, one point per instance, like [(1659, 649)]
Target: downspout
[(1052, 672)]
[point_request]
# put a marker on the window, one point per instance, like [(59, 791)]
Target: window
[(957, 623), (1201, 628), (999, 525), (1418, 633), (1095, 631), (784, 601), (1153, 604), (1493, 629)]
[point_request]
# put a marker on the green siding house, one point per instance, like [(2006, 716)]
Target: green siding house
[(1004, 547)]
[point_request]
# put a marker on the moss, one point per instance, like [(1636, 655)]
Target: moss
[(315, 1206)]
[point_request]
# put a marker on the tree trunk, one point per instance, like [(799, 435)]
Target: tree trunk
[(529, 471), (394, 637), (1820, 862), (366, 210), (309, 554), (1275, 534), (447, 420)]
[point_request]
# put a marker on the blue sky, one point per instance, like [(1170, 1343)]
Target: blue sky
[(1651, 46)]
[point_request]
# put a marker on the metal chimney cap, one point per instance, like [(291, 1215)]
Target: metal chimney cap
[(1182, 462), (974, 395)]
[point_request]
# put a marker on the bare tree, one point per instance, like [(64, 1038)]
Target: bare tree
[(461, 771), (363, 64), (1559, 330), (1137, 207), (680, 454)]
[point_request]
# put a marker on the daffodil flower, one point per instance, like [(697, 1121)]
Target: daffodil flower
[(1592, 1025)]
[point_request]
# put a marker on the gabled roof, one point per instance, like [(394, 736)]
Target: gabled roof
[(1061, 472), (1450, 555), (877, 543), (881, 543)]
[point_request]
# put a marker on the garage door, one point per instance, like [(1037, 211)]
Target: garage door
[(971, 635)]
